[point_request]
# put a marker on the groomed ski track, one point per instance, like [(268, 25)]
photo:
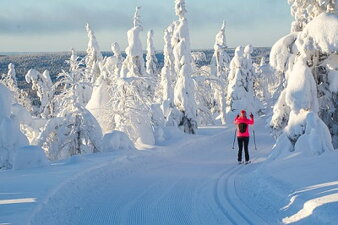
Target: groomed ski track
[(192, 181)]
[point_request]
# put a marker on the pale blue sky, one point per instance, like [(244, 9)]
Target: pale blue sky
[(58, 25)]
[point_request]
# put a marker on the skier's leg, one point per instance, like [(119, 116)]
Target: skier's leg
[(240, 148), (246, 148)]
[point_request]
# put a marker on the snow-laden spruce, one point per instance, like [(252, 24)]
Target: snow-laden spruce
[(93, 57), (220, 68), (113, 64), (75, 131), (20, 96), (151, 65), (167, 75), (240, 93), (11, 137), (306, 10), (133, 65), (184, 96), (42, 84), (309, 62), (123, 101)]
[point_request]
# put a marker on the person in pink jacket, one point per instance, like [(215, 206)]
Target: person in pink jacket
[(243, 135)]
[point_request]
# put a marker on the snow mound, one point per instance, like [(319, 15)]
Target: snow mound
[(29, 157), (322, 33), (116, 140)]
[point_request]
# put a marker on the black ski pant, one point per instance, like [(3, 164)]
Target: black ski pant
[(243, 141)]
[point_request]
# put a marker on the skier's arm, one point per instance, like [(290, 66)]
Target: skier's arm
[(236, 120), (251, 121)]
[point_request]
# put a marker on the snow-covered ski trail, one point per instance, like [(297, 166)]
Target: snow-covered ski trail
[(195, 183)]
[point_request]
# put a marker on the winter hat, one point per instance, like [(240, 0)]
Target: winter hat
[(243, 111)]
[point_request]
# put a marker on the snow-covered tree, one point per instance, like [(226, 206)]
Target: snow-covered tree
[(184, 97), (112, 65), (75, 131), (20, 96), (307, 59), (133, 65), (306, 10), (42, 84), (131, 109), (118, 56), (220, 68), (240, 93), (220, 60), (167, 74), (11, 137), (94, 56), (265, 84), (151, 65)]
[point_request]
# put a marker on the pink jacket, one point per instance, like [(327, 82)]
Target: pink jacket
[(243, 120)]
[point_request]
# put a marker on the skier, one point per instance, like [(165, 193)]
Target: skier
[(243, 135)]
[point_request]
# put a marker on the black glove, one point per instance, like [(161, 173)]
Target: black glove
[(251, 116), (237, 116)]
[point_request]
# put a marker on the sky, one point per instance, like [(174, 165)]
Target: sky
[(59, 25)]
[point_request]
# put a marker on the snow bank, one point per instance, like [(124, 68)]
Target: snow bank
[(116, 140), (29, 157)]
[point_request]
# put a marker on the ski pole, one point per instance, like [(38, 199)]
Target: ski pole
[(233, 144), (254, 135)]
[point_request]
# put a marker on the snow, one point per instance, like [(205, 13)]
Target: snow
[(321, 33), (301, 90), (281, 52), (29, 157), (178, 182), (147, 169), (116, 140)]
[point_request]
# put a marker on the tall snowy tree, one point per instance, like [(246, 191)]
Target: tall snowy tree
[(20, 96), (11, 137), (167, 73), (133, 65), (240, 89), (220, 68), (118, 58), (93, 57), (307, 59), (42, 84), (184, 97), (151, 65), (72, 129)]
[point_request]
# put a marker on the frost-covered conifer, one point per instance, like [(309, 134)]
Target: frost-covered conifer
[(131, 108), (11, 137), (118, 58), (20, 96), (42, 84), (240, 89), (184, 96), (94, 56), (133, 65), (306, 10), (75, 131), (167, 73), (306, 59), (220, 68), (151, 65), (220, 60)]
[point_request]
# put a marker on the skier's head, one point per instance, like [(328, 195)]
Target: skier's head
[(243, 113)]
